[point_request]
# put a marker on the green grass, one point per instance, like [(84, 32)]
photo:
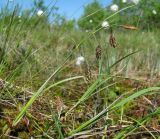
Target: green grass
[(37, 65)]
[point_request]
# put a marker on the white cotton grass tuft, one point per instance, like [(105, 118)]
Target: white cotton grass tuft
[(87, 30), (124, 1), (40, 13), (135, 1), (105, 24), (90, 21), (114, 8), (154, 12), (19, 20), (80, 60)]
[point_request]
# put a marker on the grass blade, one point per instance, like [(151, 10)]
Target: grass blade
[(119, 104), (89, 92), (38, 93)]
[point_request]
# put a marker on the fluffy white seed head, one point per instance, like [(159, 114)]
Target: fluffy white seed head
[(80, 60), (135, 1), (154, 12), (40, 12), (114, 8), (90, 21), (105, 24), (87, 30), (124, 1)]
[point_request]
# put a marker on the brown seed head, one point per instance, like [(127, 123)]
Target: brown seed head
[(98, 52), (88, 74), (130, 27), (112, 40)]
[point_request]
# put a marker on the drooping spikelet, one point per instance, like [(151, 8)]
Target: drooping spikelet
[(98, 52), (112, 39), (87, 72), (130, 27)]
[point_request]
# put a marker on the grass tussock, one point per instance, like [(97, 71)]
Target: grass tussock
[(57, 82)]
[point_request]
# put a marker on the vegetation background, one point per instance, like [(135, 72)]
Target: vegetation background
[(63, 78)]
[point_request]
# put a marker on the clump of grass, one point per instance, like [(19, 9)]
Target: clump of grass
[(30, 61)]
